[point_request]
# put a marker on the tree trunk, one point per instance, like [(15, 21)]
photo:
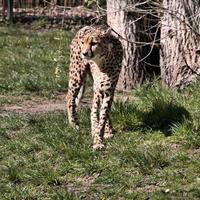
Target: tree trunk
[(180, 42), (10, 10), (122, 21)]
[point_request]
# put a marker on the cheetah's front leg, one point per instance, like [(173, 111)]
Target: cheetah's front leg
[(103, 117), (94, 112), (108, 131)]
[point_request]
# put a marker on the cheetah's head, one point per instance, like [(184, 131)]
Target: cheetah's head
[(94, 43)]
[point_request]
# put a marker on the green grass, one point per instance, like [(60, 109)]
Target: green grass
[(33, 61), (155, 153)]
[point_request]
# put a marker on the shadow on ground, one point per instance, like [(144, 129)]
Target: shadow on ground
[(163, 116)]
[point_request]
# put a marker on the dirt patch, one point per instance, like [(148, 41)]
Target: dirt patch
[(87, 181), (84, 184), (39, 105), (147, 188), (58, 103), (47, 107)]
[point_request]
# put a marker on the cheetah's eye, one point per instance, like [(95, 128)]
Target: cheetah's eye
[(93, 43)]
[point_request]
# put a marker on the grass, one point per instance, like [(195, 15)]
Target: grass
[(154, 154), (33, 61)]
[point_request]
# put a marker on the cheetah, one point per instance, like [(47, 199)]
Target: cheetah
[(99, 52)]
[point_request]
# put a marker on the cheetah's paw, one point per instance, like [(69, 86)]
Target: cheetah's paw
[(98, 146), (108, 135)]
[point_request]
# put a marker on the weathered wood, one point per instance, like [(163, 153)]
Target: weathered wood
[(180, 40), (122, 21)]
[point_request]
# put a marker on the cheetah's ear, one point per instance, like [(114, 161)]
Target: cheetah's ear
[(85, 29)]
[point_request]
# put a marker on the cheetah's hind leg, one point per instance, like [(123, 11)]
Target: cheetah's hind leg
[(73, 98), (71, 111)]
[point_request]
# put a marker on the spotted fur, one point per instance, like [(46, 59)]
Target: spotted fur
[(99, 52)]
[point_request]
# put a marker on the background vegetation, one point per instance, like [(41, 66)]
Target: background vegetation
[(154, 155)]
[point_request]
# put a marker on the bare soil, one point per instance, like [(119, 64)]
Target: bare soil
[(58, 103), (39, 105)]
